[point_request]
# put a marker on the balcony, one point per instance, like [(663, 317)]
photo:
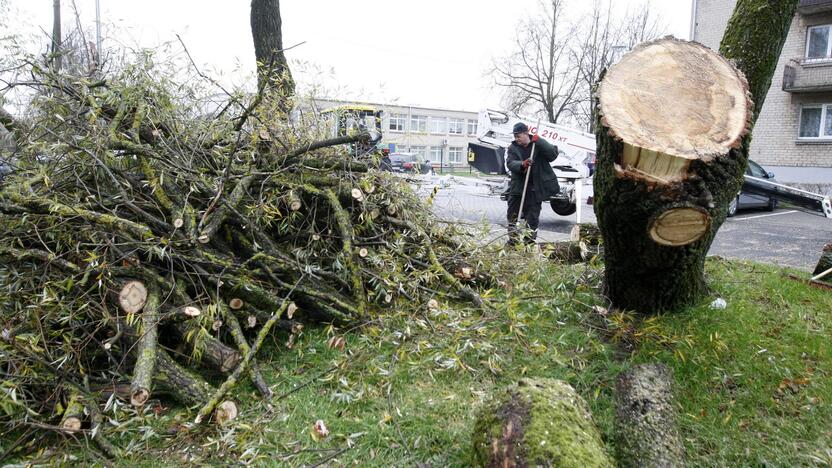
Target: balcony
[(811, 7), (807, 76)]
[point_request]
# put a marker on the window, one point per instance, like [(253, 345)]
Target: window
[(755, 170), (472, 127), (436, 153), (397, 122), (400, 148), (421, 151), (455, 126), (816, 121), (419, 123), (455, 154), (437, 125), (818, 43)]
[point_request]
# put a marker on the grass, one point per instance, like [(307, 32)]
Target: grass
[(753, 380)]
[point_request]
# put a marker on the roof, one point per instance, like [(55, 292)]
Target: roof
[(350, 107)]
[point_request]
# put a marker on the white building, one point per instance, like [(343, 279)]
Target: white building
[(793, 134), (440, 136)]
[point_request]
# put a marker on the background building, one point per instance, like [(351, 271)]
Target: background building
[(440, 136), (793, 134)]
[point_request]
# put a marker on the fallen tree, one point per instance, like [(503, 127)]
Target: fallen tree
[(136, 228), (673, 144)]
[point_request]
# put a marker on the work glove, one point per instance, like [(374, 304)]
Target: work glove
[(534, 138), (526, 163)]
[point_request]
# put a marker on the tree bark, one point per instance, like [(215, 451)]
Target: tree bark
[(266, 30), (645, 422), (146, 352), (658, 213)]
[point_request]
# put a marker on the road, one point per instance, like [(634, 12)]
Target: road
[(785, 237)]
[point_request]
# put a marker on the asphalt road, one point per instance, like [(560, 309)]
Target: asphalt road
[(785, 237)]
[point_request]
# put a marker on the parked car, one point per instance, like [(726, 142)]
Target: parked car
[(410, 162), (749, 200)]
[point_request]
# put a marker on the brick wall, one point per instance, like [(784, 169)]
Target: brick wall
[(775, 133)]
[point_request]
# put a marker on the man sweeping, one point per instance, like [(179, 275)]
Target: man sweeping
[(532, 181)]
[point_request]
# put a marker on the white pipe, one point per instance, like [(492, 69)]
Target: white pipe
[(98, 29), (693, 5)]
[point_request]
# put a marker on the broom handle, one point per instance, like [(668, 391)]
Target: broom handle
[(528, 172)]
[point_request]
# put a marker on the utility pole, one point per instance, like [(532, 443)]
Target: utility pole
[(98, 29)]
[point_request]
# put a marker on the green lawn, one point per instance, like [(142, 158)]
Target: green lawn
[(753, 380)]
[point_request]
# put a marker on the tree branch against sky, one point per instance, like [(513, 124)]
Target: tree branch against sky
[(540, 74), (557, 60)]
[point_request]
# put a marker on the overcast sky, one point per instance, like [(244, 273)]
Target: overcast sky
[(426, 53)]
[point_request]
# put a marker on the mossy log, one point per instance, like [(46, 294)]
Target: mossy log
[(645, 420), (73, 415), (538, 422), (672, 147), (189, 388), (146, 351)]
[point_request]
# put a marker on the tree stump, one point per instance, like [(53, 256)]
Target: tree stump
[(538, 422), (673, 115), (645, 420)]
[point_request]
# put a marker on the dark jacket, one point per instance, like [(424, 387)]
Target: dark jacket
[(543, 183)]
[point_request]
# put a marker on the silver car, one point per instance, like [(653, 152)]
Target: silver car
[(750, 200)]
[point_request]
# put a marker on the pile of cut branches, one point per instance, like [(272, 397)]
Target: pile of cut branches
[(147, 244)]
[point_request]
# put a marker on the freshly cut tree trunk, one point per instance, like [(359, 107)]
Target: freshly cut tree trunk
[(672, 148), (672, 115)]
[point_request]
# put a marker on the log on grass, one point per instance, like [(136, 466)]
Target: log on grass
[(566, 252), (189, 388), (672, 149), (645, 422), (538, 422)]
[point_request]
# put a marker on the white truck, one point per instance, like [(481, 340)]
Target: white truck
[(573, 164)]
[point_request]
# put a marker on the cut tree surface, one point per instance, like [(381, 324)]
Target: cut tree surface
[(707, 116)]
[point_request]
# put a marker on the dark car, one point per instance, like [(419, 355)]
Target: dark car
[(410, 162), (746, 199)]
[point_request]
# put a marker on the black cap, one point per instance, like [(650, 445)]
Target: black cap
[(520, 127)]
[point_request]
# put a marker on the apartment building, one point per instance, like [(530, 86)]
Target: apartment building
[(440, 136), (793, 134)]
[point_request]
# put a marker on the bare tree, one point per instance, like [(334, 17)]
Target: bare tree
[(604, 38), (541, 73), (266, 30), (556, 65)]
